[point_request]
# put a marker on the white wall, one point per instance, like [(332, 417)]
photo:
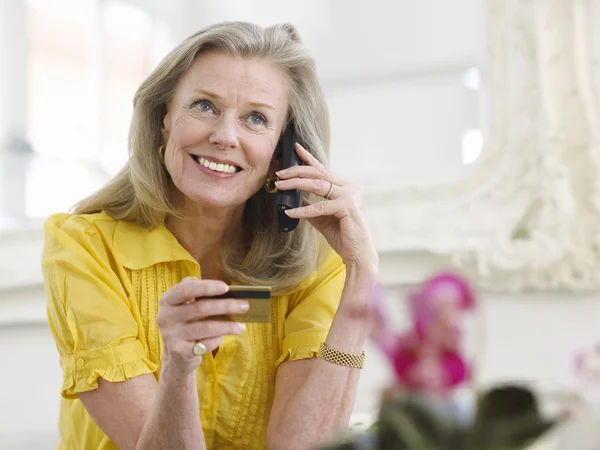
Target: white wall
[(31, 380), (408, 129), (353, 38)]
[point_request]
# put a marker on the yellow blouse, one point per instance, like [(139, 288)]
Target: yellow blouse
[(103, 280)]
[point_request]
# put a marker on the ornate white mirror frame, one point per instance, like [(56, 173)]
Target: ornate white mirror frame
[(527, 214)]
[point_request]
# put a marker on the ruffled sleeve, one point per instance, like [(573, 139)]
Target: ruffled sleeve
[(94, 321), (311, 312)]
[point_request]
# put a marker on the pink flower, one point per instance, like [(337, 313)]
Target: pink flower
[(427, 357)]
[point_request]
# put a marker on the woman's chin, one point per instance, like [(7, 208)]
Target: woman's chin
[(213, 201)]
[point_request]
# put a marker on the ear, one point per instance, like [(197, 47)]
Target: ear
[(165, 130)]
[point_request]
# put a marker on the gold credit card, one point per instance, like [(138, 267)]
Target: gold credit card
[(259, 299)]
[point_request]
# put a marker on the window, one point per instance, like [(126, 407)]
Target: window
[(87, 58), (127, 50)]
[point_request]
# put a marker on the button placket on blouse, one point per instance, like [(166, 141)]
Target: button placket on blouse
[(211, 391)]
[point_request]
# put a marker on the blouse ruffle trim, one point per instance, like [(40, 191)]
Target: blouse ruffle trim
[(86, 380)]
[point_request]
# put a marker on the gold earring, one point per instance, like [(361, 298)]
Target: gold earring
[(270, 185), (161, 152)]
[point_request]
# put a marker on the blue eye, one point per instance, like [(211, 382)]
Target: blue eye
[(205, 106), (257, 120)]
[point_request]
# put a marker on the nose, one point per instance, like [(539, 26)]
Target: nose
[(224, 134)]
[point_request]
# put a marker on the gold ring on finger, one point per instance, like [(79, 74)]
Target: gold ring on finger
[(200, 349), (331, 188)]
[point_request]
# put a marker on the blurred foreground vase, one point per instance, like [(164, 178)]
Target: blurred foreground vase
[(506, 418)]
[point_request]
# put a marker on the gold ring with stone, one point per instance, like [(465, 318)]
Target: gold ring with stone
[(200, 349)]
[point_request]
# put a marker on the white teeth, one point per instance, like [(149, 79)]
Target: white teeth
[(227, 168)]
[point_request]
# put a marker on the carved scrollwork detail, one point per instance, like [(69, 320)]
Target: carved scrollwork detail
[(527, 214)]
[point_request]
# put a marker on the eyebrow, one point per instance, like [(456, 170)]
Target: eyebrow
[(218, 97)]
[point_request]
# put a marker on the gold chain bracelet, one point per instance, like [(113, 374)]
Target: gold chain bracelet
[(340, 358)]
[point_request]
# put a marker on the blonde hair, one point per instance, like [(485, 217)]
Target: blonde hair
[(139, 193)]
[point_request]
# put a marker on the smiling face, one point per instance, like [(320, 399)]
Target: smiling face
[(222, 126)]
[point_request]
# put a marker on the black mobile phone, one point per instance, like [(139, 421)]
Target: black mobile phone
[(259, 298), (288, 199)]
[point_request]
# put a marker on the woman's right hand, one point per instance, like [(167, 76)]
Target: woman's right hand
[(187, 315)]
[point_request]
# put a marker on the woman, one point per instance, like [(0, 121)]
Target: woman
[(130, 274)]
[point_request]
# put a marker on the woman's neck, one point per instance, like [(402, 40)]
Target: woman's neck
[(203, 231)]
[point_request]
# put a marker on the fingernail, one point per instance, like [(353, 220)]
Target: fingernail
[(244, 306), (241, 326), (287, 212)]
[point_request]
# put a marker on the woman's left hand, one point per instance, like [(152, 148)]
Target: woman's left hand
[(340, 217)]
